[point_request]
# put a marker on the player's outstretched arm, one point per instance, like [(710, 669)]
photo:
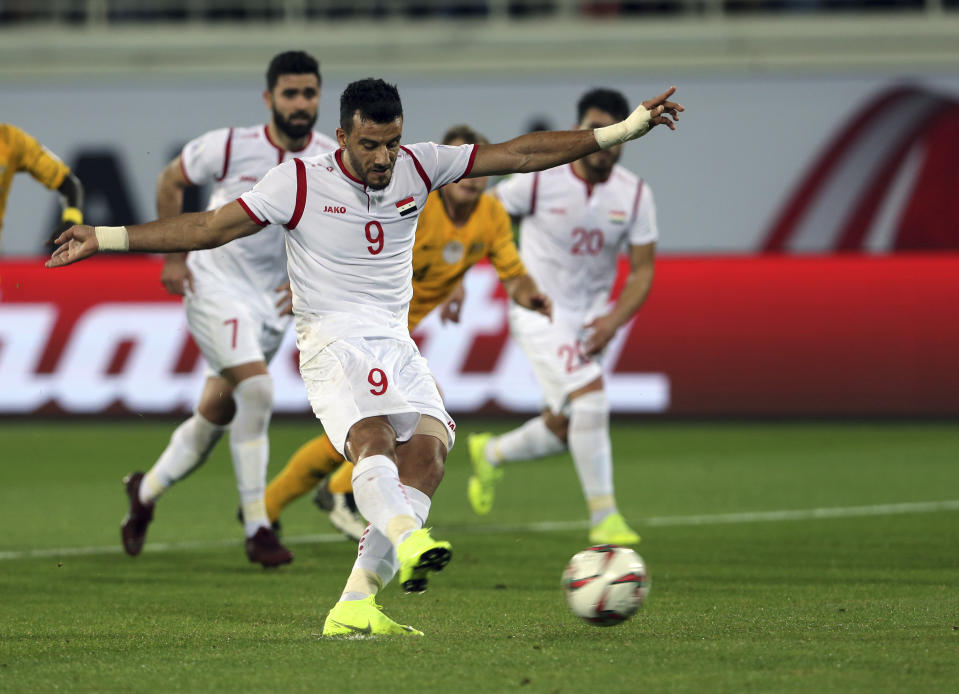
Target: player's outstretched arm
[(544, 150), (186, 232)]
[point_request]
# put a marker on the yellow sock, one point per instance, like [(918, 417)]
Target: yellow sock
[(341, 482), (312, 462)]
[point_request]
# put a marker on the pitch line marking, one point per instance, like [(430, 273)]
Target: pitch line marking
[(539, 527)]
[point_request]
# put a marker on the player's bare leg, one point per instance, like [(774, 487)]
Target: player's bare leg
[(380, 496), (382, 551)]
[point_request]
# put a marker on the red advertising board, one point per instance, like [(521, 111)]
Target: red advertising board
[(719, 336)]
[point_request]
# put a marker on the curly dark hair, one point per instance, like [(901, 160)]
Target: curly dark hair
[(608, 100), (291, 63), (375, 99)]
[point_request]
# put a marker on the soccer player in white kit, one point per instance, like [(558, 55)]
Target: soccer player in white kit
[(351, 223), (237, 302), (576, 220)]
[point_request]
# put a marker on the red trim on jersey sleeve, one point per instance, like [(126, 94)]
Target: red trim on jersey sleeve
[(183, 171), (261, 222), (419, 169), (226, 155), (532, 197), (300, 194), (469, 164), (639, 194)]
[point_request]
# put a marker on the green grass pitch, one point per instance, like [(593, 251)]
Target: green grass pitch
[(784, 558)]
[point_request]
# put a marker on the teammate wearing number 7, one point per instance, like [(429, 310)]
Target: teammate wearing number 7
[(576, 220), (237, 307), (351, 218)]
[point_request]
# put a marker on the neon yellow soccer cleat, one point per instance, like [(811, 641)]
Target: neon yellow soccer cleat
[(613, 531), (419, 554), (363, 618), (480, 489)]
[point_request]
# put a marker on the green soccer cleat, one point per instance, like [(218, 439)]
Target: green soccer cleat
[(419, 554), (363, 618), (480, 488), (613, 531)]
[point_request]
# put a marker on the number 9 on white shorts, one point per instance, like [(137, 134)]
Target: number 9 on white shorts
[(358, 377)]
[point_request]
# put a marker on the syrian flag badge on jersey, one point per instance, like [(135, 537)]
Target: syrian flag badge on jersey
[(406, 206)]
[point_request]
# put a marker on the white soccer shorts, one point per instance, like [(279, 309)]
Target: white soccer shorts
[(230, 330), (355, 378), (554, 350)]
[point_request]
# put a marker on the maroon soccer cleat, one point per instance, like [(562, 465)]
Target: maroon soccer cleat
[(265, 547), (133, 529)]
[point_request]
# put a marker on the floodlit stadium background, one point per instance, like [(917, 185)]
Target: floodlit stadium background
[(806, 205)]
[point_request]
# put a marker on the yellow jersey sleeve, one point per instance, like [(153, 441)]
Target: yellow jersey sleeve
[(32, 157), (502, 251)]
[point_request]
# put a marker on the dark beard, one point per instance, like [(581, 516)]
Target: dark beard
[(363, 174), (291, 130), (599, 173)]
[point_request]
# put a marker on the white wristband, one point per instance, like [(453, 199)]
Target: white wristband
[(112, 238), (636, 125)]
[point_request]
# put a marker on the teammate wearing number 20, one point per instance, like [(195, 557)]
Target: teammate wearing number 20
[(576, 221), (351, 223)]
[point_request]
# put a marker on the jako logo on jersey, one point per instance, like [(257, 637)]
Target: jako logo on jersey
[(406, 205), (334, 209)]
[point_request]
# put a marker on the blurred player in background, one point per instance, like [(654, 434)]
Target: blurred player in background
[(20, 152), (576, 220), (351, 222), (238, 304), (460, 225)]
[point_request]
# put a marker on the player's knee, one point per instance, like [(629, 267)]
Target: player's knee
[(216, 402), (371, 436), (422, 462), (557, 424), (254, 396), (590, 409), (218, 410)]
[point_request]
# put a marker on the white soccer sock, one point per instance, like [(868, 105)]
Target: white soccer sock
[(188, 449), (376, 563), (592, 452), (250, 447), (382, 498), (374, 567), (420, 502), (532, 440)]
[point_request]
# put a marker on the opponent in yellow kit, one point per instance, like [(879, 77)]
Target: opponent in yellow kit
[(459, 226), (20, 152)]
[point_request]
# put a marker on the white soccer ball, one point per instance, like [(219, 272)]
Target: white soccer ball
[(606, 584)]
